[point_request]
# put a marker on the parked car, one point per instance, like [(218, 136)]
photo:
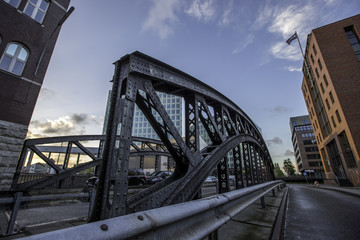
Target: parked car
[(231, 178), (136, 176), (156, 177), (211, 179)]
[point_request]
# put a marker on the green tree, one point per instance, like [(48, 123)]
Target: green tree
[(289, 167), (278, 171)]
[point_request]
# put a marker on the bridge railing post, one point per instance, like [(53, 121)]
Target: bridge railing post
[(14, 212), (262, 200)]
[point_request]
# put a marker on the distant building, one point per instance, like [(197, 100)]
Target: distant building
[(28, 33), (173, 106), (331, 89), (142, 128), (307, 156)]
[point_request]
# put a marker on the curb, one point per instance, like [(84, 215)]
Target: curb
[(278, 227), (345, 191)]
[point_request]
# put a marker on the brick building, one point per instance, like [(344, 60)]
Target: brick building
[(28, 33), (331, 89)]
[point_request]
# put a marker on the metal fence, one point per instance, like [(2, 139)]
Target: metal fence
[(189, 220), (75, 181)]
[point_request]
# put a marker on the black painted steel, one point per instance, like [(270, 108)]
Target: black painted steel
[(232, 135), (227, 126)]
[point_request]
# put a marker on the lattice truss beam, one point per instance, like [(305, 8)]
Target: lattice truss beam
[(137, 80)]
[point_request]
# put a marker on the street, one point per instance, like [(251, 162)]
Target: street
[(315, 213)]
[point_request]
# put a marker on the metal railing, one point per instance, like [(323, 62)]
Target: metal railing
[(15, 202), (189, 220)]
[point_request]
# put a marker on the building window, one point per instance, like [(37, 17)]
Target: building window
[(322, 88), (312, 58), (327, 103), (333, 121), (338, 116), (315, 164), (36, 9), (331, 97), (348, 154), (353, 37), (325, 80), (313, 156), (314, 49), (14, 3), (317, 73), (320, 65), (14, 58)]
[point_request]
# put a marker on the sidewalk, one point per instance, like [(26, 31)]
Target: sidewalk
[(354, 191), (254, 222)]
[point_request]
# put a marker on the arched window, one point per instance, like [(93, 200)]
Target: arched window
[(36, 9), (14, 3), (14, 58)]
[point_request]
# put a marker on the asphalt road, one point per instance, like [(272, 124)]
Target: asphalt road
[(315, 213)]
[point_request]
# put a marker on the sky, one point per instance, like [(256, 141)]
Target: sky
[(235, 46)]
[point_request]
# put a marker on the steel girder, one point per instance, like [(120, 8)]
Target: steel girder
[(137, 79), (139, 147)]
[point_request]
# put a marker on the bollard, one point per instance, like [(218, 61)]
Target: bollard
[(262, 199), (15, 210)]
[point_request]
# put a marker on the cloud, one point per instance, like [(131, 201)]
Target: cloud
[(161, 17), (274, 141), (289, 153), (227, 16), (79, 118), (283, 20), (292, 18), (65, 125), (279, 110), (203, 10), (264, 16), (46, 93), (93, 118), (282, 51), (293, 69), (60, 126), (247, 41)]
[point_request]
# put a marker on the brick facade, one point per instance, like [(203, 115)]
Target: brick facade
[(18, 93), (333, 98)]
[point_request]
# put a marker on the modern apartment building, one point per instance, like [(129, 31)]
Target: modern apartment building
[(307, 156), (142, 128), (173, 106), (331, 89), (28, 32)]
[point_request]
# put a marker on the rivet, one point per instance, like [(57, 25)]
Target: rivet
[(140, 217), (104, 227)]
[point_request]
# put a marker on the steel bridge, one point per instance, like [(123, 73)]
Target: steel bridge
[(137, 80)]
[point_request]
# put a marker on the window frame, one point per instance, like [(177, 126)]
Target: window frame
[(354, 39), (36, 9), (15, 58), (15, 5)]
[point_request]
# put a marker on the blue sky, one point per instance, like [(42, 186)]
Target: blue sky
[(236, 46)]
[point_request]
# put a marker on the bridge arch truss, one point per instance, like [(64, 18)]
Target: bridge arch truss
[(137, 80)]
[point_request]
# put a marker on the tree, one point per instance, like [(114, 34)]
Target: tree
[(289, 167), (278, 171)]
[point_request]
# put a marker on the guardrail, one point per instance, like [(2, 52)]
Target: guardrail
[(189, 220), (15, 202)]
